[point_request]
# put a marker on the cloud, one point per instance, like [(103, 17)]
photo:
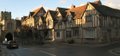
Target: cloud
[(112, 3), (63, 1)]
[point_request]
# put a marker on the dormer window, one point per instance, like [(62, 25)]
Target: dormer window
[(89, 18)]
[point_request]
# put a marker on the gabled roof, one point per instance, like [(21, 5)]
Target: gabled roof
[(37, 10), (31, 13), (78, 11), (18, 23), (70, 13), (24, 18), (107, 11), (42, 18), (52, 13), (62, 11)]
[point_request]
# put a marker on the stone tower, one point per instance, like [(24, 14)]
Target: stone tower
[(5, 15), (7, 21)]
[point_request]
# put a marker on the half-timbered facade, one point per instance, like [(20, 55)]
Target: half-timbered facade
[(92, 21), (50, 23), (59, 29), (101, 22), (34, 17)]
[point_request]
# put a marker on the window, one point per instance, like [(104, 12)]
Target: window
[(69, 17), (75, 32), (90, 29), (68, 34), (58, 34), (90, 14), (50, 33), (89, 18)]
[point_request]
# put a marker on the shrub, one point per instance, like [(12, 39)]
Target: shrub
[(48, 38), (70, 41)]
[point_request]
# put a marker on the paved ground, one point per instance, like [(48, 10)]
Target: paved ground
[(61, 50), (115, 51)]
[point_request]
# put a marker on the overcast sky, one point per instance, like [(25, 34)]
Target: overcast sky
[(21, 8)]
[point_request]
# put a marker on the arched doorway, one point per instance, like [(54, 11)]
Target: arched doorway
[(9, 36)]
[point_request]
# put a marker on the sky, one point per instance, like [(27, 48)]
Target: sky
[(21, 8)]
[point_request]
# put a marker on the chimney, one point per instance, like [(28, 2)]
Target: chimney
[(98, 2), (72, 6)]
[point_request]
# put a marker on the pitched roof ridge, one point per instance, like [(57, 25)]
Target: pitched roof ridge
[(62, 8), (37, 10), (79, 10), (79, 6), (62, 11), (52, 10), (98, 2), (107, 11), (105, 6)]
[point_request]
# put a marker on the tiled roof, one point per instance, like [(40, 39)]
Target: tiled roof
[(31, 13), (78, 11), (37, 10), (70, 13), (24, 18), (107, 11), (53, 14), (62, 11)]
